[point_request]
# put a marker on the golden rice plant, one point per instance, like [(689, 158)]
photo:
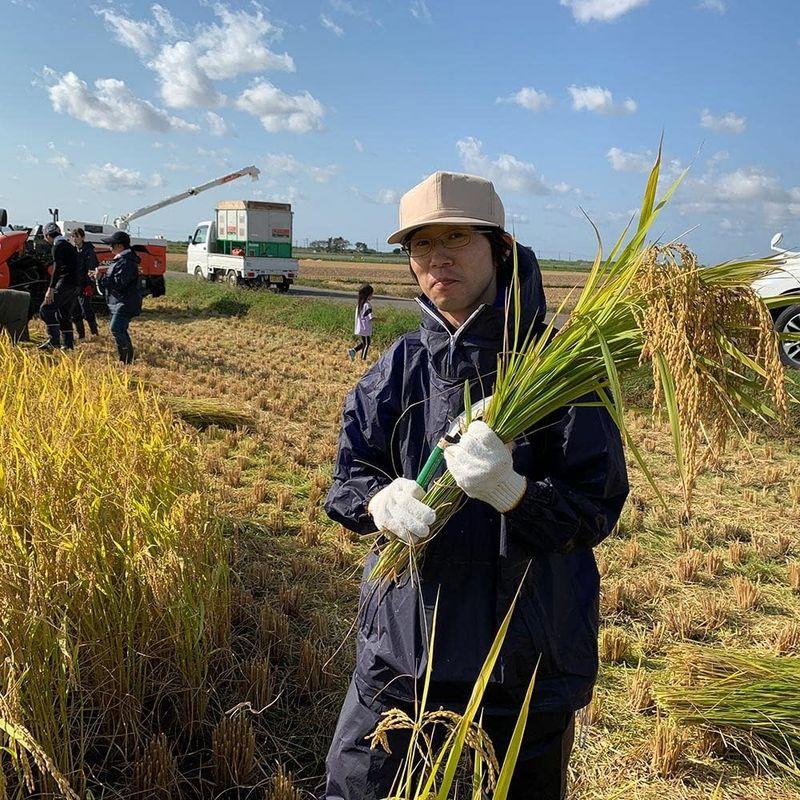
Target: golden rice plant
[(155, 770), (233, 748), (705, 333), (668, 745), (114, 578), (640, 691), (281, 786), (614, 645), (429, 769), (746, 593), (793, 569)]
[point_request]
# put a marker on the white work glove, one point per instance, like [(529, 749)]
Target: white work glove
[(482, 466), (397, 509)]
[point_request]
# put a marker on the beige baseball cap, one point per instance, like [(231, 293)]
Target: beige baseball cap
[(449, 198)]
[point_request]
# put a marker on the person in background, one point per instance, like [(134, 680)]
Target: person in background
[(363, 326), (56, 310), (120, 285), (87, 262)]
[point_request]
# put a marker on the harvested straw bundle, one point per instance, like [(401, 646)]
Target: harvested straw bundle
[(750, 699), (204, 412), (707, 335)]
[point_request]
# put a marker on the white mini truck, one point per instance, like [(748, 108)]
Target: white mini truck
[(785, 280), (248, 243)]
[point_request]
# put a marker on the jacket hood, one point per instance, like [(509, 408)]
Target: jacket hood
[(471, 349)]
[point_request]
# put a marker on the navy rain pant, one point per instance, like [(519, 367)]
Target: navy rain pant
[(355, 772), (57, 316)]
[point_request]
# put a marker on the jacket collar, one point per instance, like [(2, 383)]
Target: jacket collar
[(471, 349)]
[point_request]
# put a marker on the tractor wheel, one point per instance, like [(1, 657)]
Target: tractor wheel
[(232, 279), (788, 321)]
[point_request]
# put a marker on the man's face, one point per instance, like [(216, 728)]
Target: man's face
[(456, 279), (77, 239), (117, 248)]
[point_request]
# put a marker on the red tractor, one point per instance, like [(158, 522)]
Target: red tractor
[(25, 257)]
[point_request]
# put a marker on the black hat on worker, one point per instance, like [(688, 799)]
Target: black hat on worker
[(118, 237)]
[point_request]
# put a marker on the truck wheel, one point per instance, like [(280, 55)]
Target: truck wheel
[(198, 274), (283, 287), (788, 321), (232, 279)]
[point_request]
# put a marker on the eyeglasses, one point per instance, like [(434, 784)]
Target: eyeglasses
[(422, 246)]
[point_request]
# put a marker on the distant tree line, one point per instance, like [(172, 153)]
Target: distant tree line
[(338, 244)]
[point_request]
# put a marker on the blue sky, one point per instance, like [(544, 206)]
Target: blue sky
[(345, 104)]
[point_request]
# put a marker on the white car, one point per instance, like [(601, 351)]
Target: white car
[(784, 280)]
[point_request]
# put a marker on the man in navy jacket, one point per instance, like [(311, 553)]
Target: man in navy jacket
[(541, 504)]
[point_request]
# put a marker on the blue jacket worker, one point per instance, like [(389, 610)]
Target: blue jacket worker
[(120, 286), (539, 505), (56, 309)]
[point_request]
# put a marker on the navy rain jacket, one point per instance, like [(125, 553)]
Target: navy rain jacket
[(577, 485), (120, 284)]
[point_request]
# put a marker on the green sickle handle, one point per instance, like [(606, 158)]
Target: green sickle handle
[(431, 465), (475, 411)]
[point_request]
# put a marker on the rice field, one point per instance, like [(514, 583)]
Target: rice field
[(731, 576)]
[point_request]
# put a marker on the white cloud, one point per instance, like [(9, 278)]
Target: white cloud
[(383, 197), (358, 145), (528, 97), (506, 171), (111, 106), (725, 123), (25, 155), (565, 188), (238, 45), (57, 159), (623, 161), (167, 22), (713, 5), (328, 23), (279, 111), (110, 177), (186, 67), (601, 10), (290, 194), (749, 184), (139, 36), (517, 218), (217, 126), (285, 164), (419, 10), (183, 83), (599, 100)]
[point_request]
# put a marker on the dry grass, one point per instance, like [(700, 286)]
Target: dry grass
[(297, 379)]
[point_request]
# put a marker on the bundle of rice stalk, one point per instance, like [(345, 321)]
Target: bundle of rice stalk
[(708, 337), (429, 769), (750, 699), (203, 412)]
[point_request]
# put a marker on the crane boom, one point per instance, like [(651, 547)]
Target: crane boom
[(125, 220)]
